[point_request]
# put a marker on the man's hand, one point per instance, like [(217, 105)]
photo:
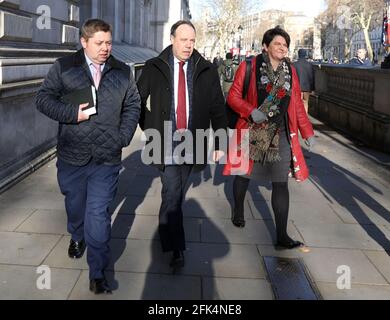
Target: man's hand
[(82, 116), (217, 155)]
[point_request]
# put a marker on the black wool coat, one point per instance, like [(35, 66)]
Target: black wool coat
[(155, 87), (103, 136)]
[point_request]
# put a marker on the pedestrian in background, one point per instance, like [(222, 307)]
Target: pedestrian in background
[(272, 115), (360, 58), (305, 72), (217, 61), (227, 70), (89, 147)]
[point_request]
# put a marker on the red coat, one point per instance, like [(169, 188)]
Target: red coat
[(297, 120)]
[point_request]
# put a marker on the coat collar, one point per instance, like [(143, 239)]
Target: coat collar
[(110, 63)]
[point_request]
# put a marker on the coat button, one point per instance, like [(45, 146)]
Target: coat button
[(163, 113)]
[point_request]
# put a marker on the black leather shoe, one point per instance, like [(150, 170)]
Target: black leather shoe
[(98, 286), (238, 219), (290, 244), (177, 260), (76, 249)]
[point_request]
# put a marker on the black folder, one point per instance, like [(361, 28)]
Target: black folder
[(82, 96)]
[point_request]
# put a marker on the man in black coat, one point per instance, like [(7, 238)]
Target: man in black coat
[(360, 59), (305, 73), (180, 94), (90, 146)]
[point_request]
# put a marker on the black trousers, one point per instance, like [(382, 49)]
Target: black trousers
[(171, 230)]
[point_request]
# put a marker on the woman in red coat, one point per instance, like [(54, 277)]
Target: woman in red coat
[(265, 144)]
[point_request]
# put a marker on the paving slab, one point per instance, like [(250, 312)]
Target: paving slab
[(45, 221), (47, 184), (323, 264), (256, 190), (139, 256), (381, 260), (223, 260), (344, 236), (58, 257), (31, 200), (211, 208), (20, 283), (136, 286), (140, 186), (361, 213), (299, 212), (346, 198), (254, 232), (236, 289), (24, 248), (126, 255), (329, 291), (340, 212), (146, 227), (10, 219), (203, 191), (136, 205)]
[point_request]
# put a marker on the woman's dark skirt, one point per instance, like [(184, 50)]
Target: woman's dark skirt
[(276, 171)]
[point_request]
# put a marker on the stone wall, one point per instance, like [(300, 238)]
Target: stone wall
[(33, 34), (354, 100)]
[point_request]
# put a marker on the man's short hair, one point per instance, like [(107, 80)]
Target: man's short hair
[(91, 26), (229, 55), (178, 24), (302, 53), (270, 34)]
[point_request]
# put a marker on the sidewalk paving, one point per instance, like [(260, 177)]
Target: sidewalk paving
[(341, 212)]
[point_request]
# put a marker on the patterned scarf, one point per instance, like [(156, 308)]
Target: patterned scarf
[(274, 92)]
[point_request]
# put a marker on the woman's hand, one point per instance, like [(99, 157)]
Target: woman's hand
[(258, 116), (310, 142)]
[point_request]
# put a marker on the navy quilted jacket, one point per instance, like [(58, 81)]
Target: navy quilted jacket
[(103, 136)]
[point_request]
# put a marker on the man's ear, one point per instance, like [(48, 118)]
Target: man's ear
[(172, 38), (83, 42)]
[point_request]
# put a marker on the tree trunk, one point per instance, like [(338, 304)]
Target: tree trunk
[(368, 44), (365, 27)]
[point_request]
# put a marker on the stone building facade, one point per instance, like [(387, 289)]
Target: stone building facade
[(33, 34)]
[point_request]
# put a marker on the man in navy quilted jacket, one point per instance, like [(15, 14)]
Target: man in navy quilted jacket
[(90, 145)]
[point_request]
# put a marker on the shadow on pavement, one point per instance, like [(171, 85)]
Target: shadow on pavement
[(346, 189), (131, 194), (198, 262)]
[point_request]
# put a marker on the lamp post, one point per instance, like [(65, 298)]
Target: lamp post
[(240, 28)]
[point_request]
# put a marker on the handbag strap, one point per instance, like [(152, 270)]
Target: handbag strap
[(247, 77)]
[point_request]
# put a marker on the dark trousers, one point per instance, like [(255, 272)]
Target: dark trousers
[(171, 230), (88, 192)]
